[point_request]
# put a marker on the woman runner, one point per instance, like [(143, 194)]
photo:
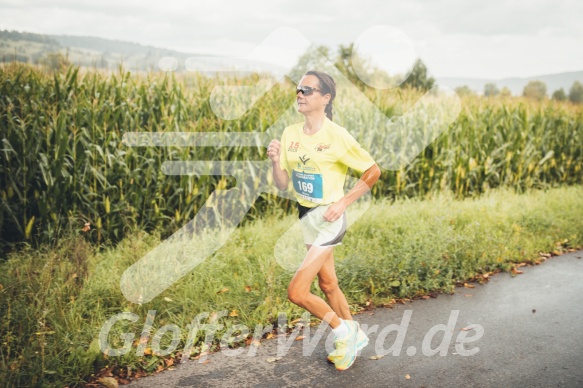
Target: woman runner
[(315, 155)]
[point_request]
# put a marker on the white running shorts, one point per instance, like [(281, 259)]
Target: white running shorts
[(320, 232)]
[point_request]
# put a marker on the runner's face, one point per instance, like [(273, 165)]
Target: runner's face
[(315, 102)]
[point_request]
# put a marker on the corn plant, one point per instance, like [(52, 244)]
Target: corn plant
[(62, 162)]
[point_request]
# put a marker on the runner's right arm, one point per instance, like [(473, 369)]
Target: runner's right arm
[(280, 175)]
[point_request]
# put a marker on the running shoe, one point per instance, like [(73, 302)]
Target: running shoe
[(346, 347), (361, 342)]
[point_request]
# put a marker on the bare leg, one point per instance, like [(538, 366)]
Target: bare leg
[(299, 288), (329, 285)]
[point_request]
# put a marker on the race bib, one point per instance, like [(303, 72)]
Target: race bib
[(307, 185)]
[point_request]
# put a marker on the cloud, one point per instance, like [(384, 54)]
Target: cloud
[(515, 17), (453, 37)]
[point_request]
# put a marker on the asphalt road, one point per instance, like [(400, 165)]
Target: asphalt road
[(531, 329)]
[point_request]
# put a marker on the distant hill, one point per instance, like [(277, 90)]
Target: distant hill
[(516, 85), (83, 50), (107, 54)]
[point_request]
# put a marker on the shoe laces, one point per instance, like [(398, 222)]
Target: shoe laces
[(340, 343)]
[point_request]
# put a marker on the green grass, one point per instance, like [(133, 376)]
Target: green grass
[(54, 300)]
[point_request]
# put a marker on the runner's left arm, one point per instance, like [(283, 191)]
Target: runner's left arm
[(358, 159), (365, 183)]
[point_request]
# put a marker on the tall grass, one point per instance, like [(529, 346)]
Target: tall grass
[(62, 162)]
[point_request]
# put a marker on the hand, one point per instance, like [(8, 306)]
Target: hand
[(334, 211), (273, 150)]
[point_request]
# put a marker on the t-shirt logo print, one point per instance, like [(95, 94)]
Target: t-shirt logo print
[(304, 159), (322, 147), (293, 147)]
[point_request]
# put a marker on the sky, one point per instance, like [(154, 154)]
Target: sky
[(454, 38)]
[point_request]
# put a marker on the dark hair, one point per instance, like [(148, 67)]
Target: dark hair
[(327, 85)]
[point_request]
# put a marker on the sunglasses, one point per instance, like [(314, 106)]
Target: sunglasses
[(306, 90)]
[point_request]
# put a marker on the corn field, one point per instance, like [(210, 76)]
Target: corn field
[(63, 163)]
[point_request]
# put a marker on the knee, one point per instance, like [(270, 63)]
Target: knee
[(329, 286), (295, 296)]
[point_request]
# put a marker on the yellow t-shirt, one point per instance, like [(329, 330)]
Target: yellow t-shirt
[(317, 164)]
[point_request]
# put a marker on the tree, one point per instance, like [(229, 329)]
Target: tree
[(505, 92), (491, 90), (576, 93), (535, 89), (559, 95), (418, 77), (464, 90), (347, 61), (56, 61), (315, 58), (344, 64)]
